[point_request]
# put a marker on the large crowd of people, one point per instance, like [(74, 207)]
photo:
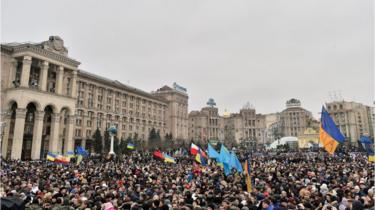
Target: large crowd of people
[(138, 181)]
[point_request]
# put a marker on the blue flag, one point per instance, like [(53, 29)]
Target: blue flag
[(235, 163), (212, 152), (81, 151), (365, 140), (224, 158)]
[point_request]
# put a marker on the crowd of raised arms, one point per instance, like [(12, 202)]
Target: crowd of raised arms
[(291, 180)]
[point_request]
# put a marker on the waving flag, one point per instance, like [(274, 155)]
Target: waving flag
[(330, 135), (70, 154), (194, 149), (168, 159), (62, 159), (365, 140), (247, 171), (224, 158), (235, 163), (371, 157), (200, 159), (51, 156), (130, 146), (82, 151), (158, 154), (212, 152)]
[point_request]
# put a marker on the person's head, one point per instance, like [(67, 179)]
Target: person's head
[(266, 203)]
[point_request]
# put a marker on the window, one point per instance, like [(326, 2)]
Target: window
[(89, 123), (78, 132), (88, 133)]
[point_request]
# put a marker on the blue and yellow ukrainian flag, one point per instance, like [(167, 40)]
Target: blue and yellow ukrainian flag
[(330, 135), (200, 158), (70, 154), (130, 146), (51, 156), (168, 159), (371, 157)]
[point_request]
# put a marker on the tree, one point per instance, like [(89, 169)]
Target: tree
[(152, 139), (98, 144), (116, 145), (107, 142), (168, 141)]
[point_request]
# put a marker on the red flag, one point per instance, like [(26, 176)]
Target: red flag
[(194, 149), (158, 154)]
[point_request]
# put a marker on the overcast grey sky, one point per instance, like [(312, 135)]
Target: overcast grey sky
[(264, 52)]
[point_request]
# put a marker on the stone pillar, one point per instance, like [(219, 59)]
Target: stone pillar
[(19, 128), (43, 76), (37, 135), (74, 84), (25, 75), (12, 73), (83, 142), (59, 80), (5, 138), (55, 133), (69, 141)]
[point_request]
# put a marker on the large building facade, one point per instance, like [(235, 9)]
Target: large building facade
[(206, 125), (246, 127), (354, 119), (294, 120), (49, 104)]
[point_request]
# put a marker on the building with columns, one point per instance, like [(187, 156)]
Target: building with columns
[(49, 104), (246, 127), (353, 119), (176, 113), (294, 120), (38, 87), (206, 125)]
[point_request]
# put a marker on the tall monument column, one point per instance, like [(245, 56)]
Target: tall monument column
[(43, 76), (19, 127), (25, 75), (37, 137), (59, 80)]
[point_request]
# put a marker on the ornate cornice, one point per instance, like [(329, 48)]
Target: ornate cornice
[(37, 49)]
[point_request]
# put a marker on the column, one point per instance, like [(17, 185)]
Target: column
[(83, 142), (74, 84), (59, 80), (12, 73), (69, 141), (18, 134), (26, 65), (55, 133), (43, 76), (37, 135), (5, 138)]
